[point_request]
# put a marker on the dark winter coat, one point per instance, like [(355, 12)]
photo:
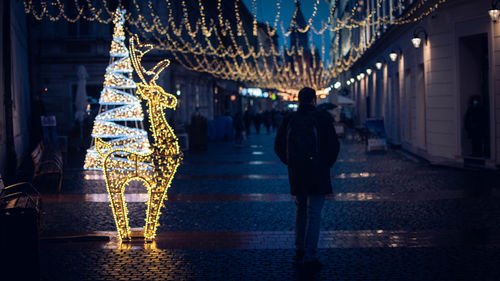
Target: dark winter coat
[(238, 123), (476, 122), (317, 181)]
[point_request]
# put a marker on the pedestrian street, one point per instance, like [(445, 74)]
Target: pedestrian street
[(229, 216)]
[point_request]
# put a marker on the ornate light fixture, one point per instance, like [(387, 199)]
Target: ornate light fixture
[(416, 40), (369, 71), (494, 12), (351, 79), (393, 55), (378, 65)]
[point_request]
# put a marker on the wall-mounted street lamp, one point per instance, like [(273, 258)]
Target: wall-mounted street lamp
[(494, 12), (348, 82), (362, 75), (337, 85), (416, 40), (369, 71), (378, 65), (178, 89), (352, 80), (393, 55)]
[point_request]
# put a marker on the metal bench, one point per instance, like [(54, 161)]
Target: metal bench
[(48, 167), (20, 206)]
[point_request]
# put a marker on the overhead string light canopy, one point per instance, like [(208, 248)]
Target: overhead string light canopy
[(379, 24), (227, 40)]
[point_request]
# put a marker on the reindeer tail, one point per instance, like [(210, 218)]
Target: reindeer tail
[(101, 145)]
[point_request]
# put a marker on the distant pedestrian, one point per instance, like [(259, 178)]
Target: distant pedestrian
[(307, 143), (238, 129), (476, 125), (277, 118), (228, 133), (328, 107), (247, 119), (268, 120), (257, 121), (198, 132)]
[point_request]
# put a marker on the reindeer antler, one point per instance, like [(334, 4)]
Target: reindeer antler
[(136, 54)]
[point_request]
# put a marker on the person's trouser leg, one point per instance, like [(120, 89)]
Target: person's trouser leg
[(239, 137), (477, 146), (314, 207), (300, 221)]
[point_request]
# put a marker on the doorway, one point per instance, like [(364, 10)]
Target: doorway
[(474, 86)]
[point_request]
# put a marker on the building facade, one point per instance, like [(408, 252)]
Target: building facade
[(15, 98), (424, 91), (59, 48)]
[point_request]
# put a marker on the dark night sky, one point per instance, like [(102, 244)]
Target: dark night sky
[(267, 10)]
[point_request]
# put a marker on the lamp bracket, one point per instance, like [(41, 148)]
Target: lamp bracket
[(420, 30)]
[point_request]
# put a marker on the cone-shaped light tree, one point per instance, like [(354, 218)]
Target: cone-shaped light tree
[(120, 117)]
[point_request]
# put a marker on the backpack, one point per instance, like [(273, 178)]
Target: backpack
[(302, 149)]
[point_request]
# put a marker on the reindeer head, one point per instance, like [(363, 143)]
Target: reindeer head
[(149, 91)]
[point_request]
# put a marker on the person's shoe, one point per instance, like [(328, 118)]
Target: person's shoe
[(313, 266), (299, 255)]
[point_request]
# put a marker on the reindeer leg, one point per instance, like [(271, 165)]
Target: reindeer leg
[(155, 201), (115, 185), (157, 194)]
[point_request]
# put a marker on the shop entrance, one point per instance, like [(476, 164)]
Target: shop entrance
[(474, 96)]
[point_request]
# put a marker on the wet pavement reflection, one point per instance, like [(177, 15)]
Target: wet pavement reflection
[(284, 240), (228, 215)]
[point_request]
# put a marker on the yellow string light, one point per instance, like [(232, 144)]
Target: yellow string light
[(155, 169), (224, 49), (118, 103)]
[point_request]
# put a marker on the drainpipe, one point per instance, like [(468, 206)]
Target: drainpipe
[(7, 67)]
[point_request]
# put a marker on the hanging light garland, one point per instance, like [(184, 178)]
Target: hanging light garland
[(221, 46)]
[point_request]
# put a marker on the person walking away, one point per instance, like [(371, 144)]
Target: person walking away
[(277, 118), (228, 133), (307, 143), (267, 119), (329, 108), (476, 125), (257, 120), (238, 129), (198, 132), (247, 119)]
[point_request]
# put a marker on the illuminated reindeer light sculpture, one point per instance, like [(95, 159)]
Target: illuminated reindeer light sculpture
[(155, 169)]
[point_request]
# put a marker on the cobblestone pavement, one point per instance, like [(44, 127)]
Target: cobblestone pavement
[(229, 217)]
